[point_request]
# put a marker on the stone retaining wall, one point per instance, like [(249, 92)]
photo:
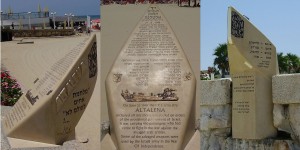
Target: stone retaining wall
[(215, 116), (43, 33), (286, 99)]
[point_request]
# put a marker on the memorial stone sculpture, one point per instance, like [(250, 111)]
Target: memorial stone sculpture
[(50, 110), (151, 89), (253, 62)]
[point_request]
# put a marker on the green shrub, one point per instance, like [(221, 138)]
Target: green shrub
[(10, 89)]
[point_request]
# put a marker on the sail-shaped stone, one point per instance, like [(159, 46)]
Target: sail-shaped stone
[(50, 110), (253, 62), (151, 89)]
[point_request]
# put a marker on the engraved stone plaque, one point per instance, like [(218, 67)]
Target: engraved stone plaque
[(51, 109), (253, 62), (151, 89)]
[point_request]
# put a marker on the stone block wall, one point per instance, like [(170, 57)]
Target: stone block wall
[(215, 116), (215, 113), (286, 99)]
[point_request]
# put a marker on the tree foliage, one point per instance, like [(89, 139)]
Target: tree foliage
[(221, 60), (289, 63)]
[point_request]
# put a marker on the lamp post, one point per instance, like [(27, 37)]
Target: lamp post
[(29, 20), (68, 15), (72, 21), (53, 14)]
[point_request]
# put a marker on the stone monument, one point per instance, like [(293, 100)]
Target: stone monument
[(50, 110), (151, 89), (253, 62)]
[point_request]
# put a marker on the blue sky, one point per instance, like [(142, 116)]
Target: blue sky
[(280, 22), (77, 7), (277, 19)]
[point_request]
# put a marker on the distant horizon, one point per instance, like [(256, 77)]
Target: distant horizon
[(76, 7), (64, 15)]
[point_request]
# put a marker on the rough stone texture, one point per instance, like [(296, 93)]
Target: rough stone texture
[(280, 117), (215, 92), (294, 118), (213, 117), (286, 88), (213, 139), (266, 144), (105, 128), (287, 118), (286, 99)]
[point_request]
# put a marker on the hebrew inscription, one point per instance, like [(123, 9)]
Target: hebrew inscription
[(252, 62), (150, 81), (44, 85), (262, 53), (51, 109)]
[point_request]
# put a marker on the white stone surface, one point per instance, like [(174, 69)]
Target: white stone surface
[(286, 88), (266, 144), (213, 139), (294, 117), (213, 117), (280, 118), (215, 92), (287, 118)]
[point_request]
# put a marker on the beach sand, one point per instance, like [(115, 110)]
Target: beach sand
[(118, 21), (26, 62)]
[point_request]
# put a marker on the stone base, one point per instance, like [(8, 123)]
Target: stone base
[(238, 144), (287, 118), (218, 139), (286, 99), (214, 139)]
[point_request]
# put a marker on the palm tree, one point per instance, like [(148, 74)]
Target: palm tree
[(221, 59), (289, 63), (282, 63), (293, 63)]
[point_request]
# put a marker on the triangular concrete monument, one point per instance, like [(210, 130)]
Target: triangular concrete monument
[(50, 110), (253, 62), (151, 89)]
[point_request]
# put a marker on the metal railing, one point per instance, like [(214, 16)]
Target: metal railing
[(24, 15)]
